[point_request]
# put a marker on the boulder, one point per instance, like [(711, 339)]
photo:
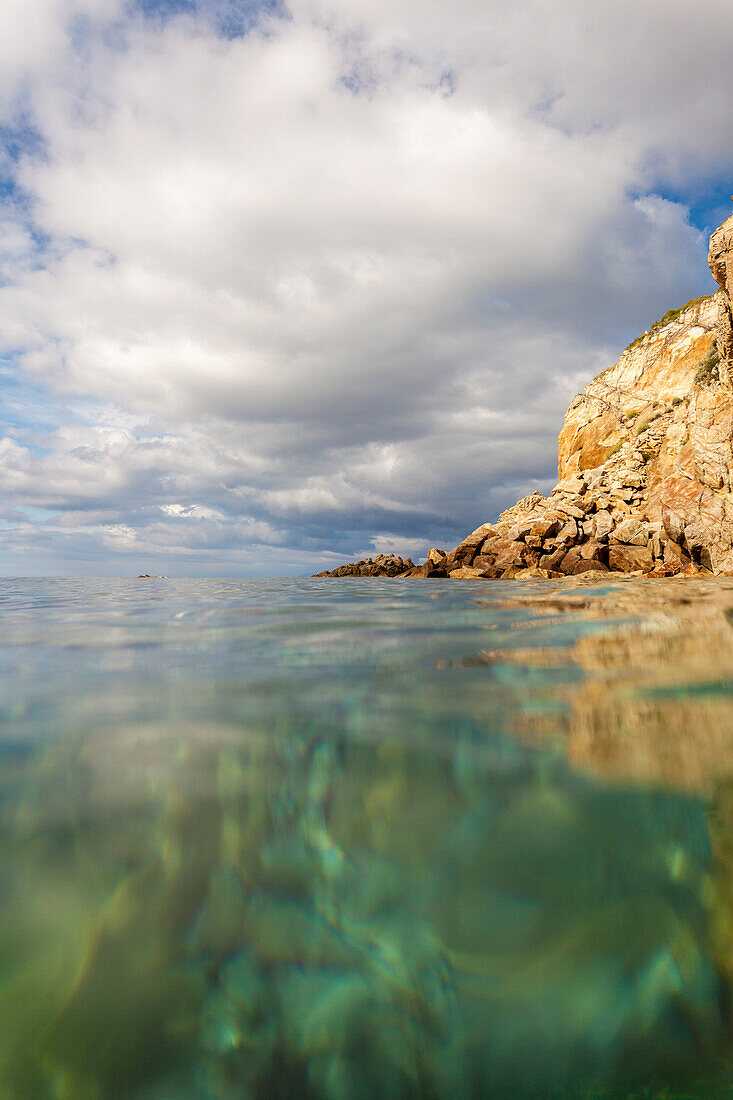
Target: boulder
[(629, 559), (593, 550), (424, 570), (574, 563), (436, 558), (534, 571), (552, 561), (675, 559), (602, 524), (466, 572), (510, 553), (487, 563), (520, 530), (585, 565), (567, 534), (571, 486), (569, 509), (673, 516), (632, 531), (466, 551), (544, 528)]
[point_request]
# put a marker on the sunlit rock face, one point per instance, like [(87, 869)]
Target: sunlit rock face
[(653, 435), (721, 265), (645, 460), (653, 377)]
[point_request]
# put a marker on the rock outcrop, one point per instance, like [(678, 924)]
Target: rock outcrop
[(720, 259), (384, 565), (645, 463)]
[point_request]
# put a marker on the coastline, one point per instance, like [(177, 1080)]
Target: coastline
[(645, 466)]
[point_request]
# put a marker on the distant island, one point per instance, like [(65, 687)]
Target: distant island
[(645, 465)]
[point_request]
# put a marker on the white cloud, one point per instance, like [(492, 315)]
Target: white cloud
[(36, 42), (345, 268)]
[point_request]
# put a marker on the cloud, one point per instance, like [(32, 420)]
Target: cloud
[(299, 281)]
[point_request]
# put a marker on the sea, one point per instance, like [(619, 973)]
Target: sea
[(366, 839)]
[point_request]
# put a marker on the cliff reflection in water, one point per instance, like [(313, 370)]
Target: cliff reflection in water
[(655, 702), (654, 705), (507, 873)]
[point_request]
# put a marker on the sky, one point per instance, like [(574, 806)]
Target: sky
[(287, 284)]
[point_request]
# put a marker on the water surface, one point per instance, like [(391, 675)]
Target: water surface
[(361, 838)]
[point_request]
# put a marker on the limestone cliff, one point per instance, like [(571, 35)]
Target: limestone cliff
[(721, 265), (645, 461)]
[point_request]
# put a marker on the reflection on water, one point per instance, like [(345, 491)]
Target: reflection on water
[(366, 839)]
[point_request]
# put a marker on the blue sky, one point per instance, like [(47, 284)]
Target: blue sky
[(282, 285)]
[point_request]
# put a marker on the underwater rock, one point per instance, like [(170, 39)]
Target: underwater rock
[(330, 916)]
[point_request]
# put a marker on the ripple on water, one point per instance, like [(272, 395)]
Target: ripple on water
[(343, 839)]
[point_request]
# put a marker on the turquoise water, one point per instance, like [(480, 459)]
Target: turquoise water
[(360, 838)]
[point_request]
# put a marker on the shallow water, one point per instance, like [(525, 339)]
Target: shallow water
[(360, 838)]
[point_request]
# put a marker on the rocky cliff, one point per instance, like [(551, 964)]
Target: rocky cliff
[(645, 461)]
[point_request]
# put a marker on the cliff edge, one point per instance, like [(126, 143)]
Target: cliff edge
[(645, 462)]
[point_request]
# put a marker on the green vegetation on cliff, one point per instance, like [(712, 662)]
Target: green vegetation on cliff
[(708, 372), (669, 316)]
